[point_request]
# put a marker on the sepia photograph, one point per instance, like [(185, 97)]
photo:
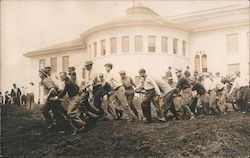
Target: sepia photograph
[(125, 78)]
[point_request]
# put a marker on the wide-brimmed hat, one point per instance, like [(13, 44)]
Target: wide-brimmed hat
[(237, 72), (122, 72), (220, 87), (71, 68), (178, 70), (44, 72), (88, 63), (109, 65)]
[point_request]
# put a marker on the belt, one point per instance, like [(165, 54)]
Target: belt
[(117, 88)]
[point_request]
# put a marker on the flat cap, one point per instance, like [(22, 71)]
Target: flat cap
[(109, 65), (122, 72), (88, 63), (178, 70), (71, 68)]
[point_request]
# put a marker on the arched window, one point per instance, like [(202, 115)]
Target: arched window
[(197, 62), (204, 62)]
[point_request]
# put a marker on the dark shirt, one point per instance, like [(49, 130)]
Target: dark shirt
[(187, 73), (183, 83), (199, 88), (70, 87)]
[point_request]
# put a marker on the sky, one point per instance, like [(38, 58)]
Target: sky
[(28, 25)]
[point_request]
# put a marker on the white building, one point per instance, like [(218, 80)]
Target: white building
[(215, 40)]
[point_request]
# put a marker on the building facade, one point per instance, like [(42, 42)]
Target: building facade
[(215, 40)]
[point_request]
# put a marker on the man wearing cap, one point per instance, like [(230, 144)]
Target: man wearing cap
[(54, 78), (186, 93), (94, 82), (149, 85), (169, 73), (72, 73), (128, 84), (119, 91), (241, 84), (203, 99), (73, 112), (187, 72), (50, 101), (16, 94)]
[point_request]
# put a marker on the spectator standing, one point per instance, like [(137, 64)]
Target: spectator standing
[(187, 72), (1, 98), (16, 94), (23, 96), (30, 96)]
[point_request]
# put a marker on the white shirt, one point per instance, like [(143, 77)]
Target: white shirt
[(113, 80), (31, 89), (207, 84), (149, 83)]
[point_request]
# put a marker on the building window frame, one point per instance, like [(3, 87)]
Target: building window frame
[(125, 44), (151, 43), (175, 46), (138, 43), (53, 64), (65, 63), (95, 49), (103, 47), (184, 47), (113, 45), (164, 44)]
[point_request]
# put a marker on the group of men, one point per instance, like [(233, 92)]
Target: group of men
[(19, 97), (107, 96)]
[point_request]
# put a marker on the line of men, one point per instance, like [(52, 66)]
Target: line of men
[(110, 97)]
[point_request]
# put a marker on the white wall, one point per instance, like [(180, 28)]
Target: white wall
[(214, 44), (156, 63)]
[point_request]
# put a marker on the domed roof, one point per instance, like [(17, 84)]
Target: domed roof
[(139, 9), (136, 15)]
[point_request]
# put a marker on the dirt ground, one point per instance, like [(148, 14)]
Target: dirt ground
[(24, 133)]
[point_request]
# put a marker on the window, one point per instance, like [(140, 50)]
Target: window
[(151, 43), (95, 49), (90, 50), (204, 62), (184, 48), (125, 44), (175, 46), (113, 45), (65, 63), (197, 63), (41, 64), (232, 43), (83, 73), (138, 44), (164, 44), (53, 64), (103, 47), (233, 67)]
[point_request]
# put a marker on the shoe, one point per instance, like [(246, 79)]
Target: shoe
[(162, 119), (74, 133), (243, 112), (192, 117), (81, 129)]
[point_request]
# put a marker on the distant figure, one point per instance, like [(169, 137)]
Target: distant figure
[(169, 73), (187, 72), (72, 74), (16, 94), (30, 95), (1, 98), (6, 98), (24, 96)]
